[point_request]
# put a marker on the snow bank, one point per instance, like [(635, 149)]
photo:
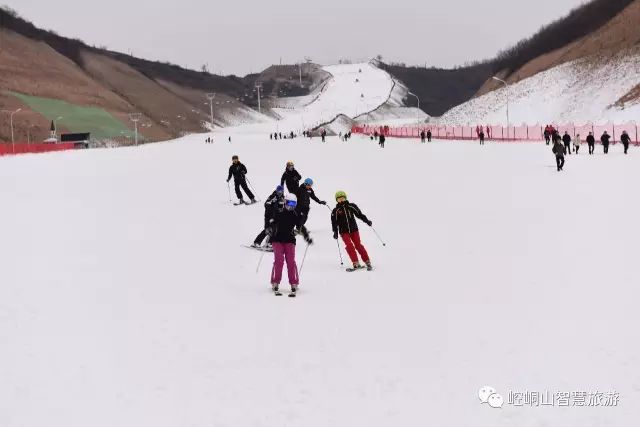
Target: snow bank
[(580, 91)]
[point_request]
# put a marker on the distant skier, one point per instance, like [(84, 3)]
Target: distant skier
[(625, 139), (591, 141), (271, 136), (423, 136), (343, 223), (566, 138), (547, 135), (283, 241), (305, 194), (429, 134), (323, 134), (238, 171), (291, 178), (605, 138), (273, 205), (381, 140), (559, 150), (576, 143), (481, 136)]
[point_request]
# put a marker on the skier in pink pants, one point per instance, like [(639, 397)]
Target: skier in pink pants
[(284, 243)]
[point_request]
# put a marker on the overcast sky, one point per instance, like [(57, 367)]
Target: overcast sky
[(237, 36)]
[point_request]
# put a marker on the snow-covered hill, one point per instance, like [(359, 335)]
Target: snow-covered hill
[(586, 90), (126, 299)]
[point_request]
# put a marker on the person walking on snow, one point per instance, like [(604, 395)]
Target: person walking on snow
[(423, 136), (605, 141), (274, 204), (343, 223), (591, 141), (381, 140), (291, 177), (283, 239), (625, 139), (481, 136), (559, 150), (429, 135), (566, 138), (238, 171), (576, 143), (305, 193)]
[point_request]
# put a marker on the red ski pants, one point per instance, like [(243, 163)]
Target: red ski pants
[(352, 244)]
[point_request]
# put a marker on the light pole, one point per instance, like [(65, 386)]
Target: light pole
[(506, 85), (11, 113), (135, 118), (210, 97), (416, 96), (55, 126), (258, 87)]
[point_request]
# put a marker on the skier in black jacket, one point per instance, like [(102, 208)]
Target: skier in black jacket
[(605, 141), (566, 138), (381, 140), (591, 141), (305, 193), (625, 139), (429, 134), (283, 239), (291, 177), (274, 204), (238, 171), (343, 223)]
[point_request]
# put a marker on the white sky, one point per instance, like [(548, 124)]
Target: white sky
[(244, 36)]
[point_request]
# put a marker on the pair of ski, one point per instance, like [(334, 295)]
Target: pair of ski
[(259, 248), (361, 267), (242, 202)]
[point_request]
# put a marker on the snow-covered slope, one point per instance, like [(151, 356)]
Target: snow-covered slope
[(126, 299), (581, 91)]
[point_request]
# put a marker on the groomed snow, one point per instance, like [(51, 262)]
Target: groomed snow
[(582, 91), (126, 299)]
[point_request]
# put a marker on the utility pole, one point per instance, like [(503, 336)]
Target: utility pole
[(258, 87), (135, 118), (210, 97), (300, 69), (506, 85)]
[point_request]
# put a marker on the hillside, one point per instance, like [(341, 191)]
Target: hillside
[(599, 27), (59, 76)]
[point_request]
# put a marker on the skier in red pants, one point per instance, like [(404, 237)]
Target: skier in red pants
[(283, 240), (343, 222)]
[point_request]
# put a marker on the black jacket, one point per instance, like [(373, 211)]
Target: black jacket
[(291, 178), (238, 171), (343, 218), (558, 149), (284, 222), (591, 140), (605, 139), (304, 197), (566, 139), (625, 138), (274, 203)]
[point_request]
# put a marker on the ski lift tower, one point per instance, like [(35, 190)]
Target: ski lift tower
[(135, 118), (210, 97), (258, 87)]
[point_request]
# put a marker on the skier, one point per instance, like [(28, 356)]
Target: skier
[(238, 171), (305, 194), (566, 138), (576, 143), (283, 240), (547, 135), (625, 139), (429, 134), (605, 141), (274, 204), (591, 141), (343, 223), (423, 136), (381, 140), (481, 136), (323, 134), (559, 150), (291, 177)]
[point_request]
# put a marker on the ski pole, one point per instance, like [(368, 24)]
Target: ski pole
[(379, 238), (253, 189), (229, 188), (303, 258), (339, 252), (260, 262)]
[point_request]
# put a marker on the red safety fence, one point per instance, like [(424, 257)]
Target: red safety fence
[(502, 133), (23, 148)]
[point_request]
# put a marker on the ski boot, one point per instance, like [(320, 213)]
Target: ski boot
[(369, 266), (294, 289), (356, 266), (276, 289)]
